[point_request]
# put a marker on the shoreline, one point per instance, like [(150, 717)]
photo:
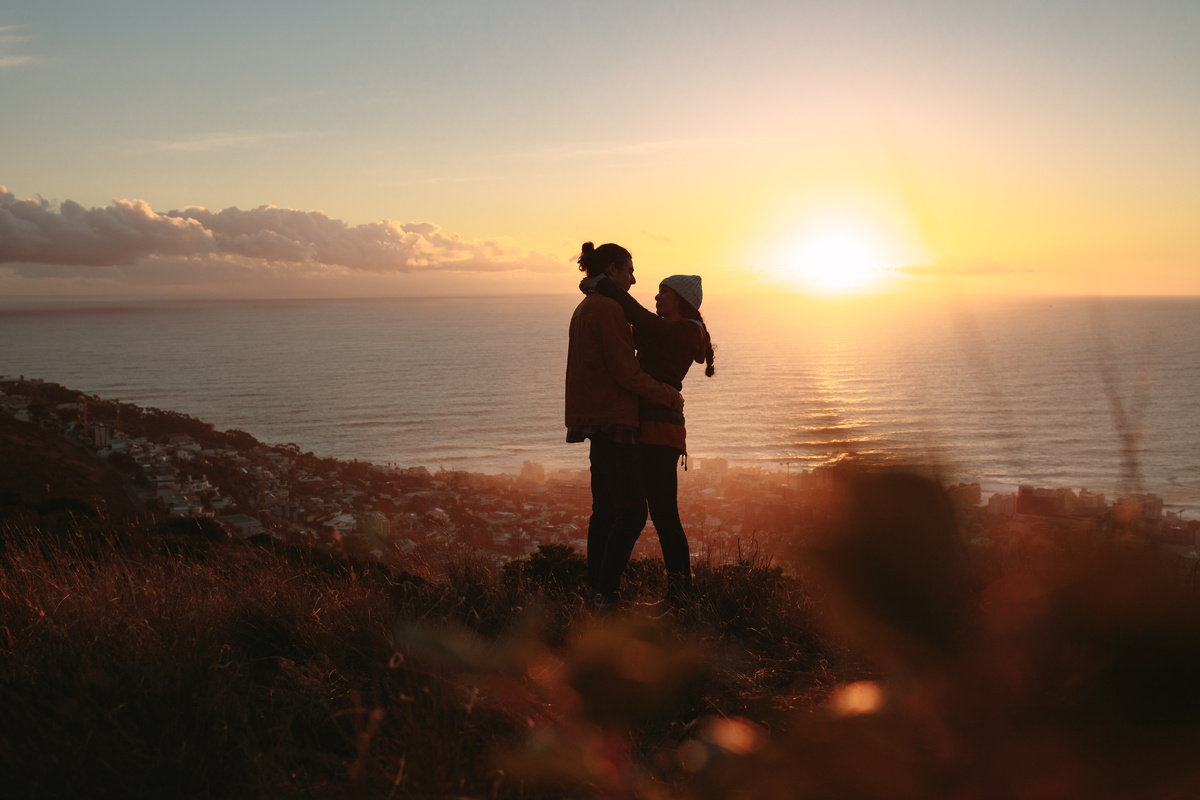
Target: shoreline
[(765, 468), (106, 415)]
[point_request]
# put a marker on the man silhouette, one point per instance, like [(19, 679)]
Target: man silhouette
[(604, 382)]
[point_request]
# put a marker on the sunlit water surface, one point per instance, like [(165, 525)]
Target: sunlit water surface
[(1003, 393)]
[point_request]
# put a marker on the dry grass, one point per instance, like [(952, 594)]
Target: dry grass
[(137, 662), (129, 672), (134, 664)]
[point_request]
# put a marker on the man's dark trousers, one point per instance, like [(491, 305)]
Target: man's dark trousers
[(618, 511)]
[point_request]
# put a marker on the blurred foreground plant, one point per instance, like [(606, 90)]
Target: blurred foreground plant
[(1056, 678), (1066, 679), (581, 702)]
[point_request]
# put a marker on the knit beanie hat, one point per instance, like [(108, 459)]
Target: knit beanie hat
[(687, 287)]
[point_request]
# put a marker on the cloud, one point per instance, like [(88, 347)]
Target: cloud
[(441, 179), (658, 237), (306, 96), (8, 36), (650, 147), (955, 265), (220, 141), (129, 233)]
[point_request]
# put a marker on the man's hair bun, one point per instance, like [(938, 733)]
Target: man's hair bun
[(586, 254), (594, 260)]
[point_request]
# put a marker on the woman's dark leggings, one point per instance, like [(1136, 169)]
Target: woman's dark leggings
[(660, 464)]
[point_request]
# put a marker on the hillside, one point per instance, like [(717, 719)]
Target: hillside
[(38, 465), (165, 661), (157, 656)]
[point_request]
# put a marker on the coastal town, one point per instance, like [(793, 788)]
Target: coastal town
[(172, 465)]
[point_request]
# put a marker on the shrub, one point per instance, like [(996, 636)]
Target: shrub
[(555, 569)]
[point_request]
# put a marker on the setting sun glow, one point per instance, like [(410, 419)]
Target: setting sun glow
[(836, 259)]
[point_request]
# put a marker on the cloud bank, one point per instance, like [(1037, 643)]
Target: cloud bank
[(129, 233)]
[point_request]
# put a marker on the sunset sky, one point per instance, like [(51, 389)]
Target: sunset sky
[(400, 148)]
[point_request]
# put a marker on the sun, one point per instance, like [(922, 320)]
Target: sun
[(833, 259)]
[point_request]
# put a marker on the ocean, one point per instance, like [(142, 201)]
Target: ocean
[(1095, 393)]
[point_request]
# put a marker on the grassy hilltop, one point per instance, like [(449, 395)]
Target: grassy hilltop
[(142, 656)]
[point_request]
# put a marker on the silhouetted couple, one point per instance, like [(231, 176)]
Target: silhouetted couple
[(629, 407)]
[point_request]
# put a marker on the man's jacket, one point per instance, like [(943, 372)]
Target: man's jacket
[(604, 380)]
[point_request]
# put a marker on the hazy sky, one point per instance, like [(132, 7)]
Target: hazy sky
[(351, 148)]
